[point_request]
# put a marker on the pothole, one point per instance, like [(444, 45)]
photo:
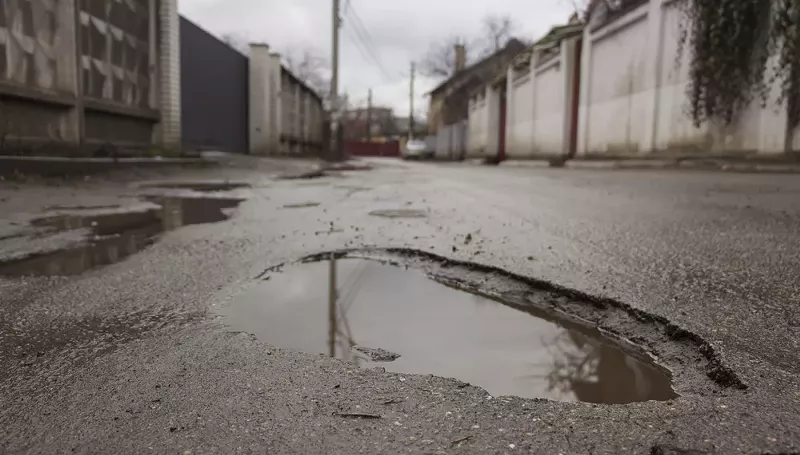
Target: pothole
[(198, 186), (399, 213), (309, 175), (301, 205), (427, 318), (113, 236)]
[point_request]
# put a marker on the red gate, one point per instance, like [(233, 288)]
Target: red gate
[(501, 141), (365, 148)]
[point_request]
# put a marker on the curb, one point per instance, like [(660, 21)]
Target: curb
[(666, 164), (66, 167)]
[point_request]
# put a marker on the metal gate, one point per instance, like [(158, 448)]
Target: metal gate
[(365, 148), (214, 92)]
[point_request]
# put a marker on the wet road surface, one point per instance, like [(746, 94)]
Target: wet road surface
[(134, 355)]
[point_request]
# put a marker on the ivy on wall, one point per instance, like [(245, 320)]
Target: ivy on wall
[(738, 50)]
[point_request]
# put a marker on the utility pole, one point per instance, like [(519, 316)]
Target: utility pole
[(335, 143), (369, 116), (411, 102), (332, 298)]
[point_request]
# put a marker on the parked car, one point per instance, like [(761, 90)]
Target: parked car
[(416, 150)]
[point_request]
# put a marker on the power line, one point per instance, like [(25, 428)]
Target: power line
[(363, 35), (360, 46)]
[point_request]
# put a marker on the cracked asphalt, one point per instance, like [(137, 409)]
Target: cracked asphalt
[(134, 358)]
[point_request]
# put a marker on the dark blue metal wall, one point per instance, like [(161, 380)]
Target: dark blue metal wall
[(214, 92)]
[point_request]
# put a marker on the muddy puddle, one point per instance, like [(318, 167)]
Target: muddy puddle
[(113, 236), (404, 321)]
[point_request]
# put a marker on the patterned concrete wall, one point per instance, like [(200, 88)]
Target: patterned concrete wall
[(115, 51), (77, 73), (34, 35)]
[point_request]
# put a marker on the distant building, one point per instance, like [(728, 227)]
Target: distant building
[(381, 121), (402, 124)]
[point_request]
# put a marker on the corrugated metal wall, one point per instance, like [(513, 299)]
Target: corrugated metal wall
[(214, 96)]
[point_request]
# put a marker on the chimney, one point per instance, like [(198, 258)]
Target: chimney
[(461, 57)]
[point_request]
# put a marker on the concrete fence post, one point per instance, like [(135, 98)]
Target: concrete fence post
[(260, 102), (277, 96), (169, 74)]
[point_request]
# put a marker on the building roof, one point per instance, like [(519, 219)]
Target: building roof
[(550, 40), (402, 124), (602, 12), (513, 46), (299, 82)]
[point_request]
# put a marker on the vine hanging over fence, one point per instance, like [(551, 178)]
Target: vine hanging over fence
[(739, 49)]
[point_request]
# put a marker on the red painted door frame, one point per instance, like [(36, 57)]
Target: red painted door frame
[(576, 101), (501, 130)]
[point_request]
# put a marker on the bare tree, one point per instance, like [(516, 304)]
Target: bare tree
[(310, 67), (581, 7), (237, 41), (497, 30), (440, 60)]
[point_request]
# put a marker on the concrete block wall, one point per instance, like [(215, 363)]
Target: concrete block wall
[(263, 133), (285, 114), (539, 105)]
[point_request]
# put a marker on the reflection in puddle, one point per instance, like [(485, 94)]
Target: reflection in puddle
[(115, 236), (439, 330)]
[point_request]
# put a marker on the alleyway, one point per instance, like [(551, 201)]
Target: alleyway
[(136, 356)]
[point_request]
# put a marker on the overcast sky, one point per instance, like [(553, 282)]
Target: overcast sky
[(398, 32)]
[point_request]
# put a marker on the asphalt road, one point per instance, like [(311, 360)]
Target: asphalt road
[(134, 358)]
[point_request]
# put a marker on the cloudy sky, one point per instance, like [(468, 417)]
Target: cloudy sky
[(397, 32)]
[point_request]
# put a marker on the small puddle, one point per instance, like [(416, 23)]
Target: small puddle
[(114, 236), (198, 186), (385, 312), (301, 205), (399, 213)]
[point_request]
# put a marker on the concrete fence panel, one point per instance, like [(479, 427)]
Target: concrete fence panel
[(633, 93)]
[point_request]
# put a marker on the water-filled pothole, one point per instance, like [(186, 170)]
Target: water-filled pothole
[(385, 312), (113, 236)]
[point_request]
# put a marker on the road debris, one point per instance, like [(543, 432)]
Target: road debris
[(377, 354), (357, 415), (460, 440)]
